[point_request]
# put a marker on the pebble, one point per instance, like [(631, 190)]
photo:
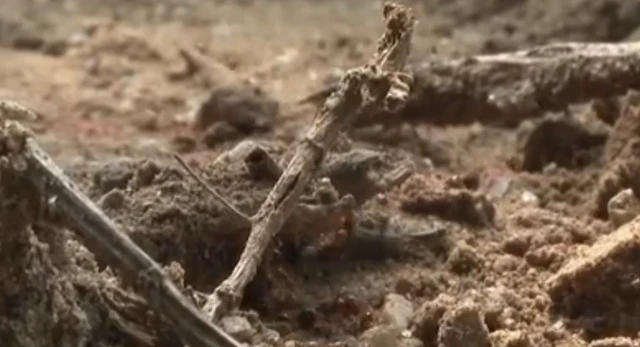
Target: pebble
[(529, 198), (114, 199), (114, 174), (426, 319), (381, 336), (623, 207), (238, 327), (505, 338), (463, 326), (397, 310)]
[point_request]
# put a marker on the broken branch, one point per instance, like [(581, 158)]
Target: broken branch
[(102, 236), (377, 85), (506, 88)]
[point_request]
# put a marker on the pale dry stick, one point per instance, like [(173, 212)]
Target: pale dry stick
[(102, 236), (378, 84), (240, 218)]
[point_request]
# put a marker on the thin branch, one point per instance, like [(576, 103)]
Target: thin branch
[(360, 92), (103, 237), (237, 215)]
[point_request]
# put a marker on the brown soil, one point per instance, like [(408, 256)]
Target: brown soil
[(489, 215)]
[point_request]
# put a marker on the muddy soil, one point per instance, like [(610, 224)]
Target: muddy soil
[(468, 240)]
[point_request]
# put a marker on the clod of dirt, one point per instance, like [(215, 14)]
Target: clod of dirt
[(604, 276), (546, 257), (621, 158), (397, 310), (423, 195), (505, 338), (184, 143), (381, 336), (109, 38), (112, 200), (564, 142), (262, 165), (144, 174), (464, 259), (517, 245), (607, 110), (426, 319), (238, 327), (463, 326), (615, 342), (623, 208), (247, 110), (364, 173), (114, 174), (219, 132)]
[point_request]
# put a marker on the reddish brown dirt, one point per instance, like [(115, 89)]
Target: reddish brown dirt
[(490, 214)]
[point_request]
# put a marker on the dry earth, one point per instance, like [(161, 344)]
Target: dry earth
[(471, 250)]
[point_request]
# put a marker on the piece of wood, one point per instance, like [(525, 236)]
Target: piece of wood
[(504, 89), (377, 85)]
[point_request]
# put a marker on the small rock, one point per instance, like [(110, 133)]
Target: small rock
[(517, 245), (290, 343), (270, 336), (505, 338), (602, 275), (246, 109), (614, 342), (464, 259), (545, 256), (114, 174), (397, 310), (426, 320), (463, 326), (184, 143), (405, 286), (499, 187), (410, 342), (238, 152), (219, 132), (506, 262), (113, 199), (145, 173), (529, 198), (238, 327), (623, 207), (307, 319), (381, 336), (147, 122)]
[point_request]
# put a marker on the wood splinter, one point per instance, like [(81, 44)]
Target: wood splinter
[(100, 234), (380, 84)]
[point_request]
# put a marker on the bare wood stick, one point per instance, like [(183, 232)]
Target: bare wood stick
[(378, 84), (506, 88), (103, 237), (237, 215)]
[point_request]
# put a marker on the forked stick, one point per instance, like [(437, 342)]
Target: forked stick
[(375, 86), (100, 234)]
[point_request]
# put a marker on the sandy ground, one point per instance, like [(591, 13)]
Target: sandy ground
[(490, 215)]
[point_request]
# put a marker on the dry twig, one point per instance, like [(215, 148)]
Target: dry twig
[(101, 235), (240, 218), (377, 85)]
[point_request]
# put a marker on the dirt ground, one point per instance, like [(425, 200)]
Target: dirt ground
[(490, 214)]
